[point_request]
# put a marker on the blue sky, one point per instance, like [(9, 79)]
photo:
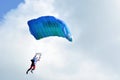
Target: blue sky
[(7, 5), (93, 54)]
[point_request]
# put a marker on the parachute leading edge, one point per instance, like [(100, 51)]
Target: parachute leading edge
[(46, 26)]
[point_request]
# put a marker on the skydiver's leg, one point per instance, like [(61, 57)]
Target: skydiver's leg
[(29, 69), (33, 68)]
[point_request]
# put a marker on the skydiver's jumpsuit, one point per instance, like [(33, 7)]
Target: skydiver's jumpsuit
[(32, 67)]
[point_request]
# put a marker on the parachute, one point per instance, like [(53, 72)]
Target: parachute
[(47, 26)]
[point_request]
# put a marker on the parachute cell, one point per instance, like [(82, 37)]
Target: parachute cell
[(46, 26)]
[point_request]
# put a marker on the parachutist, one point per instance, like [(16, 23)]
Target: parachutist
[(34, 61)]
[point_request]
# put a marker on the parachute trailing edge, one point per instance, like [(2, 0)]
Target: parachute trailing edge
[(46, 26)]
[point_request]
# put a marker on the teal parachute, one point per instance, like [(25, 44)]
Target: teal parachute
[(46, 26)]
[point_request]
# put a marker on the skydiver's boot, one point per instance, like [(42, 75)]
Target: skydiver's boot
[(31, 71), (27, 71)]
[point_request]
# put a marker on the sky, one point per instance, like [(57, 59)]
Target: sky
[(93, 54), (6, 6)]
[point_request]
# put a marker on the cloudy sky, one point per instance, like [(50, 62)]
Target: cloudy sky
[(93, 54)]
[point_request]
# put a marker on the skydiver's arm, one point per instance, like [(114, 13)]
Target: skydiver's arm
[(39, 58), (35, 55)]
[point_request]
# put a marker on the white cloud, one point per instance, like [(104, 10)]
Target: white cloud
[(93, 55)]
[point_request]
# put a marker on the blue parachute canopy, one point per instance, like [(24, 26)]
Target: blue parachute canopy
[(46, 26)]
